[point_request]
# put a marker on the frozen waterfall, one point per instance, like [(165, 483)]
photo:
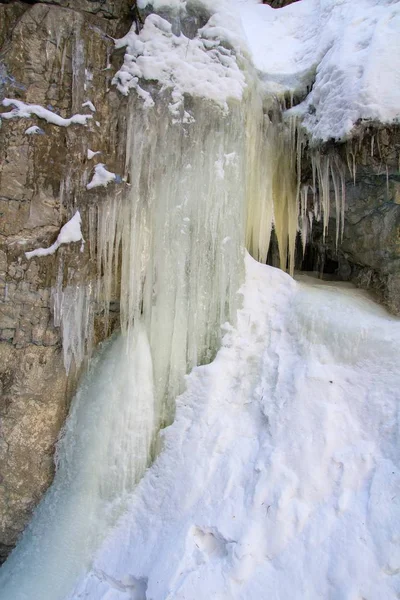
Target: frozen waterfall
[(228, 501)]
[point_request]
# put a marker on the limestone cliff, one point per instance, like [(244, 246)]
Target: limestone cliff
[(59, 55)]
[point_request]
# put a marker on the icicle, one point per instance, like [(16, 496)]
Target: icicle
[(73, 312), (334, 176), (304, 219), (175, 235), (273, 187)]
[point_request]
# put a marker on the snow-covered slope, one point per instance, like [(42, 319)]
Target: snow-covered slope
[(279, 478)]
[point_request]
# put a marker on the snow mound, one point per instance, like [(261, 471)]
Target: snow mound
[(279, 477)]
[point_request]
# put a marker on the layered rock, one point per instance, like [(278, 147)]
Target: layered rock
[(57, 55)]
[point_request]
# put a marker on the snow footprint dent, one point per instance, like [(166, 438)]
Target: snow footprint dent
[(135, 587), (210, 543)]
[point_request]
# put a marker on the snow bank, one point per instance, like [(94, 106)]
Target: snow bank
[(279, 478), (70, 232), (22, 110), (101, 176)]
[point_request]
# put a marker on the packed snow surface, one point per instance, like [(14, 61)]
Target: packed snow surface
[(347, 52), (279, 477), (70, 232)]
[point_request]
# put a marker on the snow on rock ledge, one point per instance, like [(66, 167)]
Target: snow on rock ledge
[(70, 232), (23, 110), (347, 51), (101, 176)]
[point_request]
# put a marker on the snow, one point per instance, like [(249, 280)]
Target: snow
[(101, 176), (91, 153), (279, 477), (347, 51), (70, 232), (89, 105), (34, 130), (200, 67), (22, 110)]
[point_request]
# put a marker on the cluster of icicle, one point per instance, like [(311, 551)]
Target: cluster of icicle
[(277, 198), (169, 250)]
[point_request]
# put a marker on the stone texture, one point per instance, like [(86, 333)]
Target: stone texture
[(58, 58), (110, 9), (9, 15), (369, 254), (33, 405)]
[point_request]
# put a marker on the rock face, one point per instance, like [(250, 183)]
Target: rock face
[(56, 54)]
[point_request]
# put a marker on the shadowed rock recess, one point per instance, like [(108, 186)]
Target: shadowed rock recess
[(59, 54), (369, 253)]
